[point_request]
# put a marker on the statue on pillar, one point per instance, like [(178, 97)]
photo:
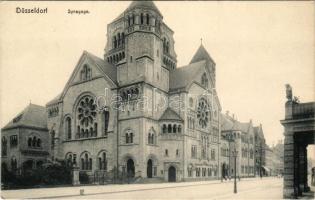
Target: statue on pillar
[(289, 92)]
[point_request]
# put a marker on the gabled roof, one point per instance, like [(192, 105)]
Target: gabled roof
[(183, 76), (32, 116), (226, 123), (258, 131), (170, 114), (201, 54), (230, 124), (54, 100), (241, 126), (107, 69)]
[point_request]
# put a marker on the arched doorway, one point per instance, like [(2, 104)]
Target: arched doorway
[(130, 168), (149, 169), (171, 174), (223, 170)]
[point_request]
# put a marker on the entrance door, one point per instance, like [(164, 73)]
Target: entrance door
[(149, 169), (171, 174), (130, 168)]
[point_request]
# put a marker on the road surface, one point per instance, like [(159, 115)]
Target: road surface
[(250, 188)]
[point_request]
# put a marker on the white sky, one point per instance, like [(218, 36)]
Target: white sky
[(258, 47)]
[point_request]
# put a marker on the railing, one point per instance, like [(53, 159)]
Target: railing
[(303, 110)]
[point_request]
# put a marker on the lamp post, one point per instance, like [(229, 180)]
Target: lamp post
[(234, 152)]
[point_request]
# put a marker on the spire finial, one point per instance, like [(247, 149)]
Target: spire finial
[(201, 41)]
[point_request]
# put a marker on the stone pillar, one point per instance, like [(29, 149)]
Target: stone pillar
[(296, 174), (306, 187), (301, 172), (75, 176), (288, 178)]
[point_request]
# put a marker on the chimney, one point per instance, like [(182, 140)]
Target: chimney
[(233, 116), (227, 113)]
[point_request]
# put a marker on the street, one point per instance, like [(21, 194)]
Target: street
[(249, 188)]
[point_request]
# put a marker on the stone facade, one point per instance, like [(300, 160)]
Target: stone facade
[(159, 127), (239, 137), (260, 151), (299, 131), (136, 111), (25, 143)]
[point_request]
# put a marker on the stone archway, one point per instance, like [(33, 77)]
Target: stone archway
[(149, 168), (171, 174), (130, 168)]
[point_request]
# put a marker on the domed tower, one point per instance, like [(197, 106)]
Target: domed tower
[(141, 46)]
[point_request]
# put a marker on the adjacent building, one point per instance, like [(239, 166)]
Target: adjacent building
[(24, 140), (260, 155), (237, 139)]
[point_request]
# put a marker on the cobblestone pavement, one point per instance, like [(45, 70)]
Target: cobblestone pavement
[(250, 188)]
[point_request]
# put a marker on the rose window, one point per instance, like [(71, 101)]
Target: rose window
[(86, 111), (203, 113)]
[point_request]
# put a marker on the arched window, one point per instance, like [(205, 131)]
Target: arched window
[(106, 121), (68, 128), (141, 18), (69, 159), (133, 19), (174, 128), (29, 142), (129, 21), (169, 128), (167, 47), (102, 161), (13, 163), (123, 39), (119, 40), (52, 138), (204, 80), (39, 142), (86, 162), (115, 42), (129, 137), (164, 128), (164, 46), (149, 138), (4, 146), (34, 141), (148, 19)]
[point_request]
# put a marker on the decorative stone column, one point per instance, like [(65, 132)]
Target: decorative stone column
[(75, 175)]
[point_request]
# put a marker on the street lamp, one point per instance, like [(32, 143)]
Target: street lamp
[(234, 153)]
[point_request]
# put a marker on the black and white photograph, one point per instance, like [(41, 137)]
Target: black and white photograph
[(157, 99)]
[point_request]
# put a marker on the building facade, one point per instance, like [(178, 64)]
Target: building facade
[(239, 137), (24, 141), (135, 109), (260, 155), (299, 132)]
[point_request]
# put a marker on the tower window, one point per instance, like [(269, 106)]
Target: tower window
[(148, 19), (129, 137), (131, 59), (141, 18)]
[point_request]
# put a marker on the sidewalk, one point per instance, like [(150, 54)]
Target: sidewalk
[(60, 192)]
